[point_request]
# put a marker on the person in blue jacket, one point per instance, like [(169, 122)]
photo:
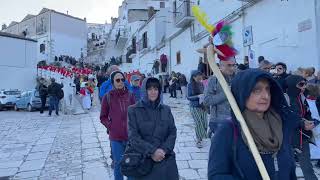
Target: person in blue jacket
[(135, 85), (107, 85), (271, 123)]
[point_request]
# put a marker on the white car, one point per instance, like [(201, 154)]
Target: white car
[(8, 98)]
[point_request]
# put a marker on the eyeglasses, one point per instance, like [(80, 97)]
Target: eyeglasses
[(301, 84), (118, 80)]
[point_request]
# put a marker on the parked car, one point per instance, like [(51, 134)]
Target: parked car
[(29, 100), (8, 98)]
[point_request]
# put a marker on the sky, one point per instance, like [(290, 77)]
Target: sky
[(96, 11)]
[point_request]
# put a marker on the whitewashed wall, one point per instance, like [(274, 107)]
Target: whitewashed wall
[(69, 35), (17, 63)]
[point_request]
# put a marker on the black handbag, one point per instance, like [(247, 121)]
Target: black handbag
[(136, 165)]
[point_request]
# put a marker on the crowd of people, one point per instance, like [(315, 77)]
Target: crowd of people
[(274, 102)]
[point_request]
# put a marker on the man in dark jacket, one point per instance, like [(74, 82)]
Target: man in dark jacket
[(281, 75), (113, 116), (54, 91), (43, 92), (230, 157), (295, 88), (152, 132)]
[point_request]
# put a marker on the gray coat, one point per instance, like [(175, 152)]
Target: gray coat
[(217, 100), (152, 127)]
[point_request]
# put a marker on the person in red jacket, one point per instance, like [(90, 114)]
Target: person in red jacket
[(113, 116)]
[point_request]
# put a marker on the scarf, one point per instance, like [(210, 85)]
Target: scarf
[(266, 132)]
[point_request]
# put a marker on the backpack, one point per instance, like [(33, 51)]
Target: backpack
[(60, 94)]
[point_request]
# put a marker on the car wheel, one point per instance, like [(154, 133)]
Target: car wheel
[(16, 108), (29, 108)]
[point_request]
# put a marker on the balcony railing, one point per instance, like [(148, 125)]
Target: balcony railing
[(122, 36), (183, 15)]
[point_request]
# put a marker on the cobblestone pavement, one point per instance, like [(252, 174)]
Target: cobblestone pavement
[(76, 147)]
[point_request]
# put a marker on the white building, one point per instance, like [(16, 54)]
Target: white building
[(57, 34), (97, 35), (18, 65), (283, 31), (129, 34)]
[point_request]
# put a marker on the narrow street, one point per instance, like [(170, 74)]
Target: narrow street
[(76, 147)]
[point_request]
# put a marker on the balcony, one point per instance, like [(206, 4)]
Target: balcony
[(121, 38), (131, 52), (183, 15)]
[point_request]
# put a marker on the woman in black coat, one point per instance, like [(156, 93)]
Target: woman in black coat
[(152, 132)]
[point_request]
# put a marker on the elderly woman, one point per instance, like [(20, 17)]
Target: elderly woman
[(271, 124), (152, 133)]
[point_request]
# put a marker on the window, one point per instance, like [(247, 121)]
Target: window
[(145, 40), (162, 5), (11, 92), (134, 45), (36, 94), (178, 57), (42, 48)]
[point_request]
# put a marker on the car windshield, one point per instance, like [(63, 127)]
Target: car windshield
[(11, 92), (36, 94)]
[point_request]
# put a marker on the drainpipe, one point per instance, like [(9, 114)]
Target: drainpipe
[(170, 53), (317, 26), (50, 40)]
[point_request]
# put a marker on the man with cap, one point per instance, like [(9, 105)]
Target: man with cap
[(135, 86), (214, 96), (113, 116)]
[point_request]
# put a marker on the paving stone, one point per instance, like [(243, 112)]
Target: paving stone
[(91, 145), (45, 141), (97, 174), (183, 165), (10, 164), (42, 148), (203, 173), (37, 155), (32, 165), (8, 172), (199, 156), (27, 174), (189, 174), (198, 164), (183, 156)]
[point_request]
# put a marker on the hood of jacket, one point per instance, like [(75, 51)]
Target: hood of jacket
[(144, 94), (291, 83), (242, 91)]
